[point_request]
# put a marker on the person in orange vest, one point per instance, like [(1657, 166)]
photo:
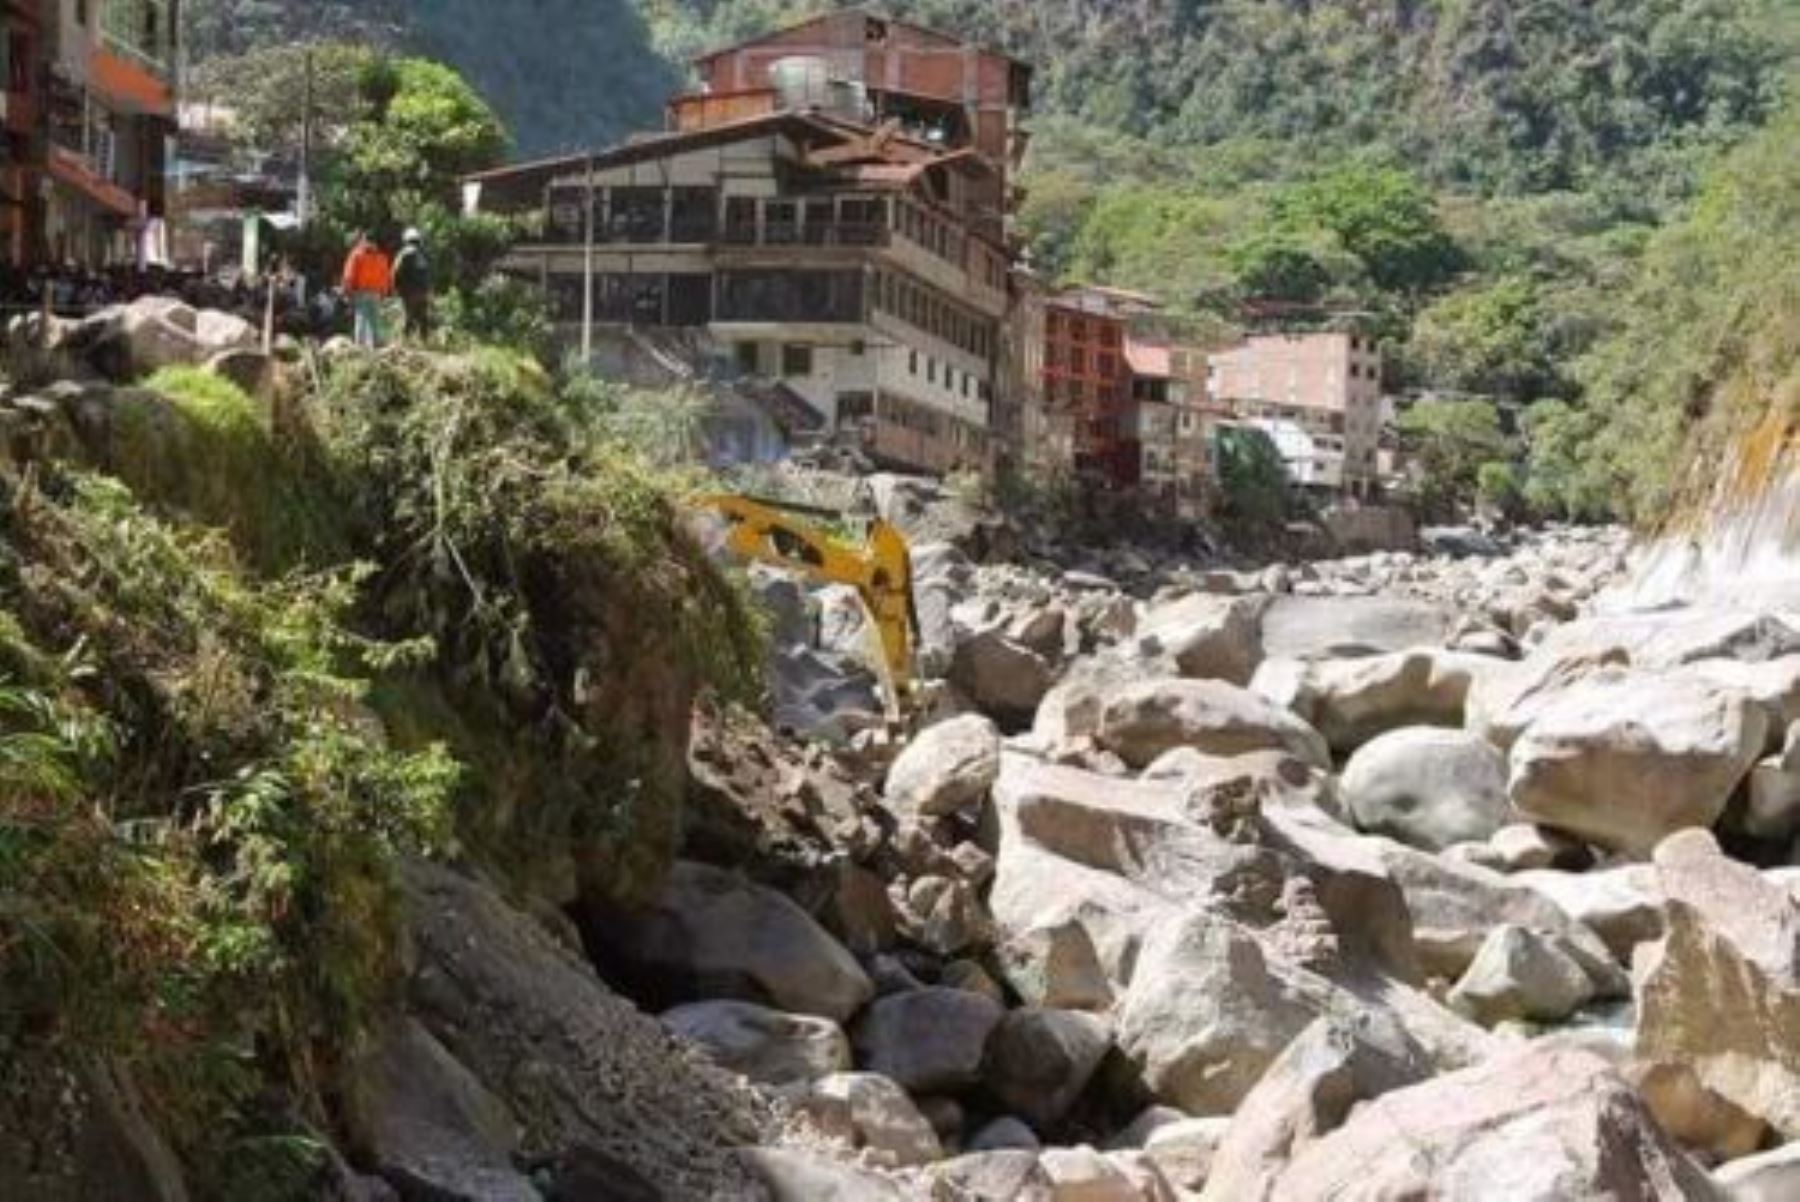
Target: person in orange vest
[(368, 279)]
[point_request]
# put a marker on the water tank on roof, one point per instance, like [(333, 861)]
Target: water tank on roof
[(801, 82)]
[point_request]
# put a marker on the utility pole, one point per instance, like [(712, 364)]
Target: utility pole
[(587, 274)]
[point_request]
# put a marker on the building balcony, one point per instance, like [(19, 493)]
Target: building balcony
[(130, 79)]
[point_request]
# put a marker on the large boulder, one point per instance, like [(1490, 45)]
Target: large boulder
[(870, 1113), (1307, 1092), (1003, 678), (927, 1040), (578, 1066), (1454, 905), (795, 1175), (714, 935), (1207, 637), (1427, 787), (1350, 701), (1672, 637), (428, 1126), (1343, 627), (1142, 721), (1620, 904), (948, 769), (1207, 1012), (1538, 1123), (1624, 759), (764, 1045), (1773, 1176), (1721, 992), (1039, 1061), (1520, 975)]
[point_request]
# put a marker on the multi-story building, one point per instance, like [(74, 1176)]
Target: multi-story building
[(22, 44), (90, 112), (928, 85), (1198, 414), (1326, 384), (818, 238), (1153, 417)]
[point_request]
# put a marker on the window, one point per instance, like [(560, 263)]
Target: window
[(858, 349), (740, 220), (749, 358), (796, 359), (781, 222), (912, 363), (931, 370)]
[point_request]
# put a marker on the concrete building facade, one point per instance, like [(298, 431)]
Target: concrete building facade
[(105, 120), (1327, 384), (831, 209)]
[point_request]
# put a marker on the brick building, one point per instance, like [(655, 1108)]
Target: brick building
[(1327, 384)]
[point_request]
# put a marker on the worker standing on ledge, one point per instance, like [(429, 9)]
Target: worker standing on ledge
[(368, 279), (412, 280)]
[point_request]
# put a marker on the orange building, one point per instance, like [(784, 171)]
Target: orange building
[(109, 112)]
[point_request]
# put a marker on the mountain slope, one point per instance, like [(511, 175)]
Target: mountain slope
[(562, 73)]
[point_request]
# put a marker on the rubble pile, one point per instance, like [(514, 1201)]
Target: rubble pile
[(1382, 877)]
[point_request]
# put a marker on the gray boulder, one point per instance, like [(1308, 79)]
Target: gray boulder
[(927, 1040), (1004, 678), (1142, 721), (1521, 975), (712, 934), (1039, 1061), (948, 769), (1624, 759), (1309, 1090), (429, 1127), (1538, 1123), (1427, 787), (872, 1114), (1207, 637), (1207, 1012), (764, 1045)]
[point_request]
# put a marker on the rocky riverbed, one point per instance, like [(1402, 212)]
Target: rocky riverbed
[(1396, 877)]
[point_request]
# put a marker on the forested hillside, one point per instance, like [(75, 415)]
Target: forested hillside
[(562, 73)]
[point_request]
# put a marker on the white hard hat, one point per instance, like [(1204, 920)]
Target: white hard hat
[(413, 235)]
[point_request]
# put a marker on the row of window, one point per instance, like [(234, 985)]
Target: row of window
[(1072, 327), (964, 383), (923, 309)]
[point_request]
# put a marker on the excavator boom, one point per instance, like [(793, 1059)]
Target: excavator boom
[(880, 571)]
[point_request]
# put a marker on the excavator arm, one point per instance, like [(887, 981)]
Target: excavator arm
[(880, 570)]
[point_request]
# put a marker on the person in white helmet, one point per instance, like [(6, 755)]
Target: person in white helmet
[(412, 280)]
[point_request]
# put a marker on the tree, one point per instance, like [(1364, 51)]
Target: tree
[(1450, 440), (1563, 478), (1382, 216), (1494, 339), (1274, 265), (1497, 486), (421, 130), (266, 91), (1253, 481)]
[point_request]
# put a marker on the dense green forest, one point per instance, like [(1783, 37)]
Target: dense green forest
[(562, 73), (1496, 185)]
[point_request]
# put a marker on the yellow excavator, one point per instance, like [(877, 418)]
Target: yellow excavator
[(777, 533)]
